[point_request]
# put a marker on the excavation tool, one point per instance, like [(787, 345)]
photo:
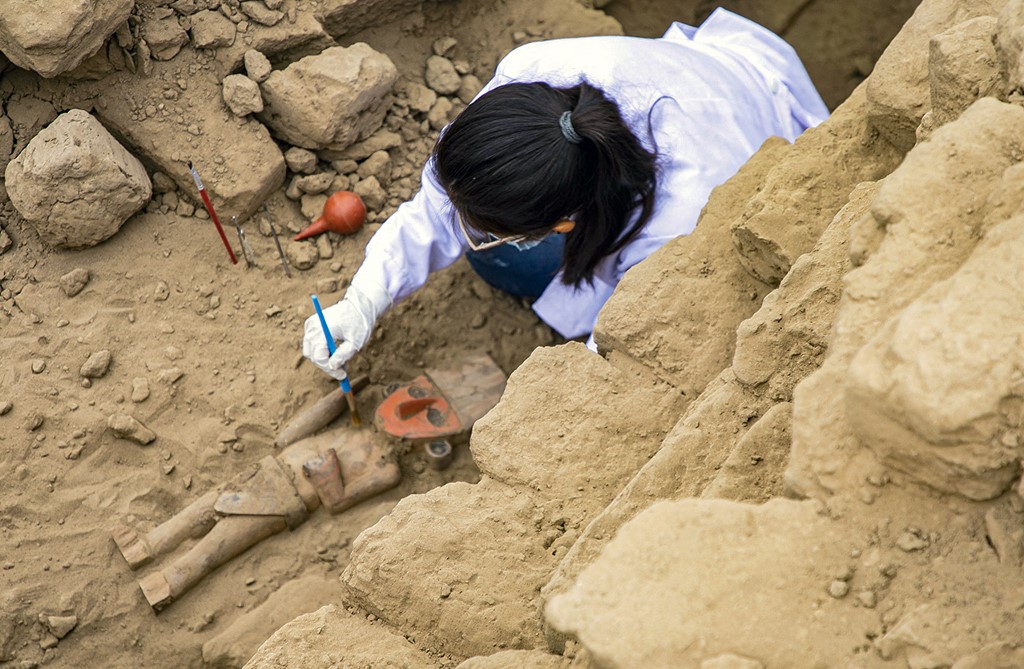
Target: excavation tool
[(344, 213), (209, 210), (277, 242), (346, 387), (250, 257)]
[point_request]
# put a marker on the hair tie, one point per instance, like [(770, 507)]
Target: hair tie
[(569, 132)]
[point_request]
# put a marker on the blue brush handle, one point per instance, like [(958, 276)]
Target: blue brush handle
[(346, 387)]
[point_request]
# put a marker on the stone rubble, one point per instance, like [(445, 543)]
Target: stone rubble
[(76, 183), (818, 442), (867, 370)]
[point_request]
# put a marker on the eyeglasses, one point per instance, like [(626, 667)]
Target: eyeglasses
[(488, 241)]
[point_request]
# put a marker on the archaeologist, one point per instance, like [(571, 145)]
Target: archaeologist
[(579, 159)]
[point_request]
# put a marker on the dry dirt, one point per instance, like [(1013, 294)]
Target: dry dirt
[(218, 345)]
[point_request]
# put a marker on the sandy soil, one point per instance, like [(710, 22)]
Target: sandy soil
[(218, 348)]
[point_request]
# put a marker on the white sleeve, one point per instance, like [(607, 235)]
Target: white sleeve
[(419, 238), (573, 312)]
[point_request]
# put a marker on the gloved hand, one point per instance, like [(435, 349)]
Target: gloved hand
[(350, 321)]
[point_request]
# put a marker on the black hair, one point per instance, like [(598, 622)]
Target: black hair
[(509, 170)]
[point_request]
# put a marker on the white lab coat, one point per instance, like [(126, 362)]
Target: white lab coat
[(711, 95)]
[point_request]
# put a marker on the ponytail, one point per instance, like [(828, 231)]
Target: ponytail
[(524, 156)]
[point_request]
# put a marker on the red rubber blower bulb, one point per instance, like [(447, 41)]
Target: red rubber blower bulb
[(344, 213)]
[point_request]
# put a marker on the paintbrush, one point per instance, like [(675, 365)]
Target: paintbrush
[(346, 387), (211, 212)]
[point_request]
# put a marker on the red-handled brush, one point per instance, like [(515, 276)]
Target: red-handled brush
[(209, 210)]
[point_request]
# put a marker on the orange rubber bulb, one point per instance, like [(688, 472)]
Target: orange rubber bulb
[(344, 213)]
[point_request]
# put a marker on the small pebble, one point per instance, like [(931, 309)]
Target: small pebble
[(38, 366), (5, 407), (838, 589), (74, 281), (61, 626), (127, 427), (96, 365), (170, 375), (140, 390), (324, 286)]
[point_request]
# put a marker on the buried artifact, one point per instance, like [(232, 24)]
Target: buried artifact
[(336, 469)]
